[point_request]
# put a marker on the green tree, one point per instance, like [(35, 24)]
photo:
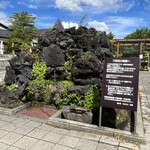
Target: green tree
[(110, 35), (139, 33), (21, 31)]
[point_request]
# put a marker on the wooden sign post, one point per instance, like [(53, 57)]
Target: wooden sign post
[(120, 84)]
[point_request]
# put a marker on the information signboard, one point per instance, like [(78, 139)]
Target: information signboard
[(120, 83)]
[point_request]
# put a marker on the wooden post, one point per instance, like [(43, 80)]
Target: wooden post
[(141, 45), (100, 116), (117, 49)]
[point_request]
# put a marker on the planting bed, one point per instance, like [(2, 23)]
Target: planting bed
[(39, 112)]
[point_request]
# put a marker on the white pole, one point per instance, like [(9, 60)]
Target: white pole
[(1, 47), (100, 116)]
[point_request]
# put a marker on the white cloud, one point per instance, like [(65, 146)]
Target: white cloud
[(130, 6), (67, 25), (99, 26), (28, 5), (72, 5), (3, 18), (121, 26), (5, 4), (82, 5), (126, 21), (32, 6)]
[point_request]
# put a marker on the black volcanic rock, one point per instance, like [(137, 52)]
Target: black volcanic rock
[(73, 54), (53, 56), (9, 76)]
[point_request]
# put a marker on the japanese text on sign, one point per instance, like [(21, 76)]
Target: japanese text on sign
[(120, 83)]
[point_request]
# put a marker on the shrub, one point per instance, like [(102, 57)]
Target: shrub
[(91, 98), (67, 66), (33, 55), (86, 55), (39, 70), (12, 87)]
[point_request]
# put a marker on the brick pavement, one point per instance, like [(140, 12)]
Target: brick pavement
[(144, 86), (24, 134)]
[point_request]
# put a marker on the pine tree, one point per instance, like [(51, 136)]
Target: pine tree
[(21, 32), (139, 33), (110, 35)]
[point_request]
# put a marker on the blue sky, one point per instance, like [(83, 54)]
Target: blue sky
[(118, 16)]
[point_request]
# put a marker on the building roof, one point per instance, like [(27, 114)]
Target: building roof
[(41, 31), (3, 33), (58, 25), (3, 26)]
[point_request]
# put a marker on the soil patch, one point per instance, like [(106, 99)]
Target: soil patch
[(39, 112)]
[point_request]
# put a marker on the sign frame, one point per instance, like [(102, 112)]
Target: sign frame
[(135, 62), (120, 87)]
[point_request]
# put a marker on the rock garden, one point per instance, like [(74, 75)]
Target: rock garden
[(64, 71)]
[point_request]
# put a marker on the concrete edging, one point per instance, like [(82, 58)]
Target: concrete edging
[(14, 111), (57, 121)]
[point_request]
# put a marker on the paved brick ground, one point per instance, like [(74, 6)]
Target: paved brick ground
[(144, 85), (24, 134)]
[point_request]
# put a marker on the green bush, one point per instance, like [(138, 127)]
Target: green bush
[(68, 99), (86, 55), (92, 98), (66, 83), (39, 70), (12, 87), (65, 99), (67, 66)]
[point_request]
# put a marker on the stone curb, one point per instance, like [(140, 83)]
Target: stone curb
[(14, 111), (56, 121)]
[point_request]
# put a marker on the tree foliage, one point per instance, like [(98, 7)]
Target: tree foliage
[(139, 33), (21, 31), (110, 35)]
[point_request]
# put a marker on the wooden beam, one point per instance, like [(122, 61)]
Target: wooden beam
[(147, 44), (129, 40)]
